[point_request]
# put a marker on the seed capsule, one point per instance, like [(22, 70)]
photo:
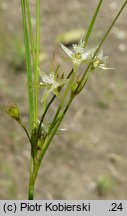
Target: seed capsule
[(13, 111)]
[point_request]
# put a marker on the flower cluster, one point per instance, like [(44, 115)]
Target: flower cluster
[(100, 61), (80, 55), (51, 83)]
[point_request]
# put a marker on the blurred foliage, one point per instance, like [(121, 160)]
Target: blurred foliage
[(104, 185), (70, 37), (13, 52), (17, 56)]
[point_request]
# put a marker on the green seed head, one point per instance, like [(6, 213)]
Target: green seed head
[(13, 111)]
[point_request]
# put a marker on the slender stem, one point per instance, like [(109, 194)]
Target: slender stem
[(31, 31), (33, 101), (50, 137), (31, 179), (23, 126), (82, 83), (55, 123), (28, 64), (36, 72), (63, 98), (112, 24), (92, 22), (50, 102)]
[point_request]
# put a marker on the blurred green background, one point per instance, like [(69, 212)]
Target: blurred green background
[(89, 161)]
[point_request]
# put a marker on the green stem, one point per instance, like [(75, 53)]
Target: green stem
[(36, 72), (31, 31), (63, 98), (23, 126), (111, 26), (50, 137), (92, 22), (50, 102), (31, 179), (82, 83), (28, 64)]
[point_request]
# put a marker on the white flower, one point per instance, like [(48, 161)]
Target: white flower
[(100, 61), (80, 55), (45, 129), (51, 84)]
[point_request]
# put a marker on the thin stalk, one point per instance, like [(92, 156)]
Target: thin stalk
[(44, 113), (63, 98), (92, 22), (30, 93), (31, 179), (111, 26), (26, 131), (31, 31), (50, 102), (50, 137), (28, 64), (101, 43), (36, 72), (55, 123)]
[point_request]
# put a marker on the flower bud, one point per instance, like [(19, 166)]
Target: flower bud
[(13, 111)]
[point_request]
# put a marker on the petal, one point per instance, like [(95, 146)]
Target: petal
[(100, 55), (59, 83), (105, 68), (68, 51), (77, 48), (49, 80), (62, 82), (89, 54), (45, 95), (44, 128), (61, 131), (82, 42), (42, 74)]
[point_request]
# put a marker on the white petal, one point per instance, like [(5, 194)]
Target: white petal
[(88, 55), (78, 49), (100, 55), (105, 68), (68, 51), (61, 82)]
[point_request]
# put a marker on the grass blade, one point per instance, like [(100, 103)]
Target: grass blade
[(83, 82), (92, 22), (36, 73), (28, 64), (30, 31)]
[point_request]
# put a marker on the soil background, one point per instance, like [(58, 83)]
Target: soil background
[(89, 161)]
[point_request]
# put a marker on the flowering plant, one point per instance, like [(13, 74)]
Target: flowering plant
[(54, 84)]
